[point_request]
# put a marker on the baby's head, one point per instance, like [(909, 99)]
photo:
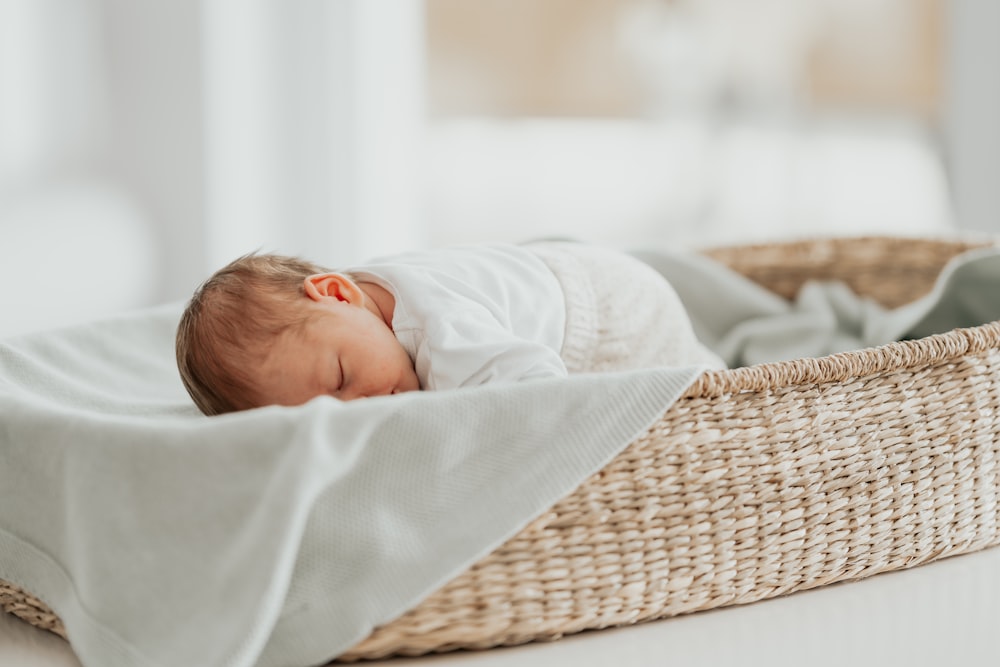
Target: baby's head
[(271, 329)]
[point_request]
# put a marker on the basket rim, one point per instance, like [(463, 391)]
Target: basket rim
[(854, 364), (843, 366), (967, 238)]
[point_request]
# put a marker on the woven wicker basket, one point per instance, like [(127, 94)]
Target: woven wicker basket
[(760, 481)]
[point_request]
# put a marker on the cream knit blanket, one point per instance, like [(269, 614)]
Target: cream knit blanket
[(620, 313)]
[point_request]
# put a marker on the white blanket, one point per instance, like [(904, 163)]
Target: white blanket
[(279, 536)]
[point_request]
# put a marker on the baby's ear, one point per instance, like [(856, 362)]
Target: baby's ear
[(322, 286)]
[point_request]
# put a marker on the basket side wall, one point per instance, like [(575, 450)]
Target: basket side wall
[(737, 500)]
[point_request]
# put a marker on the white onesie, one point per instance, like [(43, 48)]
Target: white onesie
[(474, 314)]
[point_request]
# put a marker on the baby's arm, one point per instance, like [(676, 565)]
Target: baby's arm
[(470, 352)]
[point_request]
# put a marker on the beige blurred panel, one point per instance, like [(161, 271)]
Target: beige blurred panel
[(528, 57), (879, 54)]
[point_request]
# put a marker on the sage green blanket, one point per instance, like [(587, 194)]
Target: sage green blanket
[(273, 537)]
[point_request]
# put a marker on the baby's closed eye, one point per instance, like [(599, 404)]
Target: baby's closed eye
[(341, 378)]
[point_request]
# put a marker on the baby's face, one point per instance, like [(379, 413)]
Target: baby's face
[(346, 352)]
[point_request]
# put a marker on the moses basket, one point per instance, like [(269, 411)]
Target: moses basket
[(758, 482)]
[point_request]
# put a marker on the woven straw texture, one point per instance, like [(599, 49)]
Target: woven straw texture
[(759, 482)]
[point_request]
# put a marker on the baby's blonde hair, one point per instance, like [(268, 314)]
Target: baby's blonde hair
[(230, 321)]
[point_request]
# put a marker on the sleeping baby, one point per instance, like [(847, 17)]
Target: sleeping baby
[(269, 329)]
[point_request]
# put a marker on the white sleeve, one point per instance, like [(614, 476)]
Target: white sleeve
[(469, 351)]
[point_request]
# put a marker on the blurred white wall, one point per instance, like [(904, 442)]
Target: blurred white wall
[(314, 115), (74, 238), (152, 56), (681, 182), (972, 112), (143, 143)]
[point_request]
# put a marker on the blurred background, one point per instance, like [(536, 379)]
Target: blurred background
[(144, 143)]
